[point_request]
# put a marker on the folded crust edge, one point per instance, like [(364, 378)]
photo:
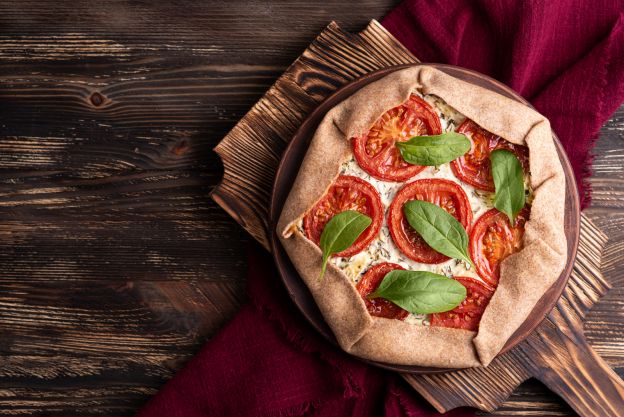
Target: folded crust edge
[(539, 262)]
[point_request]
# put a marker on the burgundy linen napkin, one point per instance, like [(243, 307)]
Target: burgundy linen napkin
[(268, 362), (566, 57)]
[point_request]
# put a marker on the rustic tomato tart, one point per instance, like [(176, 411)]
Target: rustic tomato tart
[(427, 219)]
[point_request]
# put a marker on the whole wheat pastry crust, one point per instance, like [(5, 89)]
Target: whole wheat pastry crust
[(525, 275)]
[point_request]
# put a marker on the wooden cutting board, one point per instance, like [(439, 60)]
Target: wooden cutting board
[(556, 353)]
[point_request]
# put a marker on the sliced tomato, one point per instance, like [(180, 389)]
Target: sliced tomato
[(474, 167), (468, 314), (493, 239), (369, 282), (376, 152), (446, 194), (346, 193)]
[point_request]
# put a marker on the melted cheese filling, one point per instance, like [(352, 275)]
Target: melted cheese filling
[(383, 249)]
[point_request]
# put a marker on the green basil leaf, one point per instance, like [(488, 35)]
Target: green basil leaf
[(420, 292), (340, 232), (508, 183), (434, 150), (439, 229)]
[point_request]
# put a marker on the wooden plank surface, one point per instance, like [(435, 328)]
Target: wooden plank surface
[(115, 264)]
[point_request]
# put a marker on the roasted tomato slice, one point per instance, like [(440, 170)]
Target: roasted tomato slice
[(378, 306), (446, 194), (468, 314), (376, 152), (493, 239), (346, 193), (474, 167)]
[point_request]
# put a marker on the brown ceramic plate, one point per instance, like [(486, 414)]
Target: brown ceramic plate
[(289, 167)]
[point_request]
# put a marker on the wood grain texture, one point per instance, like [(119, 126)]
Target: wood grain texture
[(604, 323), (557, 353), (115, 265), (265, 131), (109, 112)]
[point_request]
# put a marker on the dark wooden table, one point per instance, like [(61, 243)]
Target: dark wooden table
[(115, 265)]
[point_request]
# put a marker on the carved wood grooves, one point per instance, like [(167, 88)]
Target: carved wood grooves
[(332, 59), (557, 353)]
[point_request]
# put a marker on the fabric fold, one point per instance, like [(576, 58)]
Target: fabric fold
[(565, 57), (268, 362)]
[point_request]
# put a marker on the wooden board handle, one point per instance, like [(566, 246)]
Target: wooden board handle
[(582, 378)]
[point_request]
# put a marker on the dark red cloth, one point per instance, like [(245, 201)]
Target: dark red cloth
[(268, 362), (565, 56)]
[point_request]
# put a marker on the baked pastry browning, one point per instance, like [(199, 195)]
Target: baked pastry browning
[(523, 276)]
